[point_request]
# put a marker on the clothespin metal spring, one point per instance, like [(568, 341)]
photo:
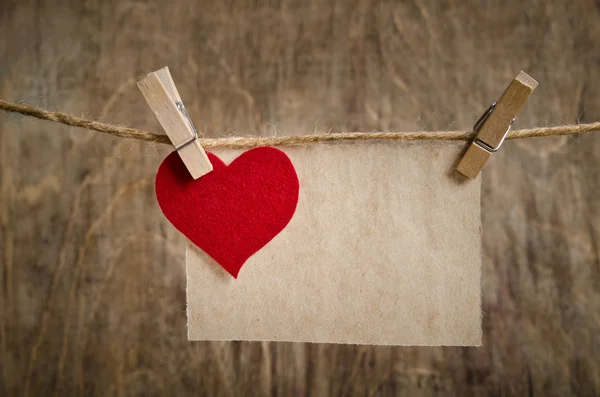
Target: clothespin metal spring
[(181, 108), (479, 124)]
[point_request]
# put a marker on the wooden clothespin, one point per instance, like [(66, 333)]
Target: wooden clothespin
[(493, 126), (163, 98)]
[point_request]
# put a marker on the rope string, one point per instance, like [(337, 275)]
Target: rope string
[(249, 142)]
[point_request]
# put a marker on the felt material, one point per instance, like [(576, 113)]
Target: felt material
[(233, 211), (384, 248)]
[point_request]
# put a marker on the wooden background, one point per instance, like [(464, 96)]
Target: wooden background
[(92, 276)]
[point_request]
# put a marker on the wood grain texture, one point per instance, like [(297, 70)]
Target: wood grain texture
[(92, 296)]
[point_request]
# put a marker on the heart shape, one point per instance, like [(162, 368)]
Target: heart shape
[(233, 211)]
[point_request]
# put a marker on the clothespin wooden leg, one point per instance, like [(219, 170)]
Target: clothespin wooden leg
[(495, 123), (163, 98)]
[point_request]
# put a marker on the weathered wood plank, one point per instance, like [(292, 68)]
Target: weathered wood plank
[(92, 297)]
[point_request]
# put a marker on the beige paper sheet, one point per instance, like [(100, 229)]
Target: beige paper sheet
[(384, 248)]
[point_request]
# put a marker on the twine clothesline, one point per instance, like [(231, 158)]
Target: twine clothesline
[(249, 142)]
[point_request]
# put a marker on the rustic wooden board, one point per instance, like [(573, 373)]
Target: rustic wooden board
[(92, 298)]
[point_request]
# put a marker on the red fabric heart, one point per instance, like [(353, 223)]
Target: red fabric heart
[(233, 211)]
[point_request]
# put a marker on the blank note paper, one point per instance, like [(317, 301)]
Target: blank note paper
[(384, 248)]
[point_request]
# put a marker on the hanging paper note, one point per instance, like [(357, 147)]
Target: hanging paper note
[(383, 248)]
